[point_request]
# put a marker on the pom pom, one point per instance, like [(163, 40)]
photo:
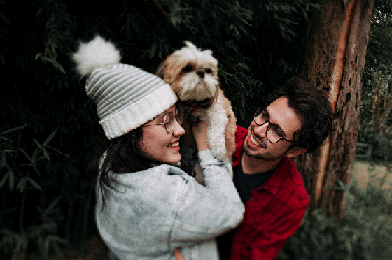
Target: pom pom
[(97, 53)]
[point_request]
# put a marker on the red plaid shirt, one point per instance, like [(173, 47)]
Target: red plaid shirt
[(273, 212)]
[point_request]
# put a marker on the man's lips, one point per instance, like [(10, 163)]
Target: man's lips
[(255, 140)]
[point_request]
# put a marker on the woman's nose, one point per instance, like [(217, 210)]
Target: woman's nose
[(178, 130)]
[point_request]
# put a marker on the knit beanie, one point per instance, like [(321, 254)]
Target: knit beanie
[(126, 96)]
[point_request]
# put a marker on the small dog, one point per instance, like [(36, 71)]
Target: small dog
[(193, 75)]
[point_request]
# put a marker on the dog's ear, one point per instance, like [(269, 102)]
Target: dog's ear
[(161, 71)]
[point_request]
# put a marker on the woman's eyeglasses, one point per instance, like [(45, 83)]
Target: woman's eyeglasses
[(168, 120)]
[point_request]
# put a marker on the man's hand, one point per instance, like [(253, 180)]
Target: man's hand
[(177, 254)]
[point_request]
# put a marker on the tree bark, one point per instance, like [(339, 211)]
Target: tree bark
[(334, 60)]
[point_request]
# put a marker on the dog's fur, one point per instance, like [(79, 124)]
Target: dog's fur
[(193, 75)]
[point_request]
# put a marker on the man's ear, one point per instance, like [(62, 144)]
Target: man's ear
[(295, 151)]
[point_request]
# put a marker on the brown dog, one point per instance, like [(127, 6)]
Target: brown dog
[(193, 75)]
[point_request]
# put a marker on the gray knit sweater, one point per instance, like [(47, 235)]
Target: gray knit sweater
[(150, 213)]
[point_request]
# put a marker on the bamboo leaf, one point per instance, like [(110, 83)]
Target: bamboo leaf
[(50, 137), (26, 155), (38, 144), (52, 205), (34, 183), (13, 129), (4, 178), (54, 149), (22, 184), (46, 154), (42, 147), (3, 160)]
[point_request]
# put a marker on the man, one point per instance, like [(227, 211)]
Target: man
[(297, 120)]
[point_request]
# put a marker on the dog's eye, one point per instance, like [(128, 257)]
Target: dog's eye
[(208, 70), (187, 68)]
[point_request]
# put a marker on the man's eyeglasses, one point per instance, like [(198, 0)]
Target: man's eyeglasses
[(168, 120), (274, 133)]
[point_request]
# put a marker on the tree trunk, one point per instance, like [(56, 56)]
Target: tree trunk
[(334, 60)]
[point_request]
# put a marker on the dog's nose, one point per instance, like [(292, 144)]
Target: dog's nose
[(200, 73)]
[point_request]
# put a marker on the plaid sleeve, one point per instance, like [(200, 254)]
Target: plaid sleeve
[(269, 238)]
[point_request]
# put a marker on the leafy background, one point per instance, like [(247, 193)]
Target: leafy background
[(50, 131)]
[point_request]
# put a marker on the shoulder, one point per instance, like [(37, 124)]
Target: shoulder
[(157, 188), (240, 136), (288, 184), (159, 176)]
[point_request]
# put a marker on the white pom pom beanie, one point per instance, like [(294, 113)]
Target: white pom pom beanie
[(126, 96)]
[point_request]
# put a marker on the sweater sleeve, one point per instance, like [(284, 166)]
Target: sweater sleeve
[(206, 212)]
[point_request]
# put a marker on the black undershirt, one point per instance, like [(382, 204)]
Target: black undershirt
[(244, 184)]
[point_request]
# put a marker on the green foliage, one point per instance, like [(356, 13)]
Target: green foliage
[(376, 99), (21, 173), (4, 22), (365, 234), (50, 129)]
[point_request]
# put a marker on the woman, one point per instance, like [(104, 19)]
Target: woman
[(146, 205)]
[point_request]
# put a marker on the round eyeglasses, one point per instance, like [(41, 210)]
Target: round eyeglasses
[(273, 133), (168, 120)]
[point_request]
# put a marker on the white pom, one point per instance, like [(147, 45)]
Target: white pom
[(97, 53)]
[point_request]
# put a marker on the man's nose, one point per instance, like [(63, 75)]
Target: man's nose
[(261, 130)]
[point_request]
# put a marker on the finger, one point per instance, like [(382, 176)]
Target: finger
[(178, 255)]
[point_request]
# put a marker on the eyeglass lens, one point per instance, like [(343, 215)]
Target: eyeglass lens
[(272, 132), (169, 120)]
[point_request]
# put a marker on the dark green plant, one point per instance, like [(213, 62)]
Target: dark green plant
[(376, 98), (365, 234), (21, 173)]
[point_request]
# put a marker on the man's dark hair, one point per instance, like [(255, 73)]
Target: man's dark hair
[(312, 105)]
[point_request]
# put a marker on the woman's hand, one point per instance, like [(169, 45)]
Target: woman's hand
[(199, 131), (178, 255), (188, 138)]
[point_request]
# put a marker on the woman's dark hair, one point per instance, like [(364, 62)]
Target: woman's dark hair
[(122, 155), (312, 105)]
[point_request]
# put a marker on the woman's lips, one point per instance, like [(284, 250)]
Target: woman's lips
[(175, 146)]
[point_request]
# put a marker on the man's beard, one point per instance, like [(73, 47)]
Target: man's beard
[(264, 157)]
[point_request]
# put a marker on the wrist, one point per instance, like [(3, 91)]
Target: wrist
[(201, 146)]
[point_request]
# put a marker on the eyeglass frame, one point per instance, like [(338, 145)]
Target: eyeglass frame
[(179, 111), (268, 127)]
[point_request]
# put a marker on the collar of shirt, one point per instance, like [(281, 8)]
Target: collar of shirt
[(281, 172)]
